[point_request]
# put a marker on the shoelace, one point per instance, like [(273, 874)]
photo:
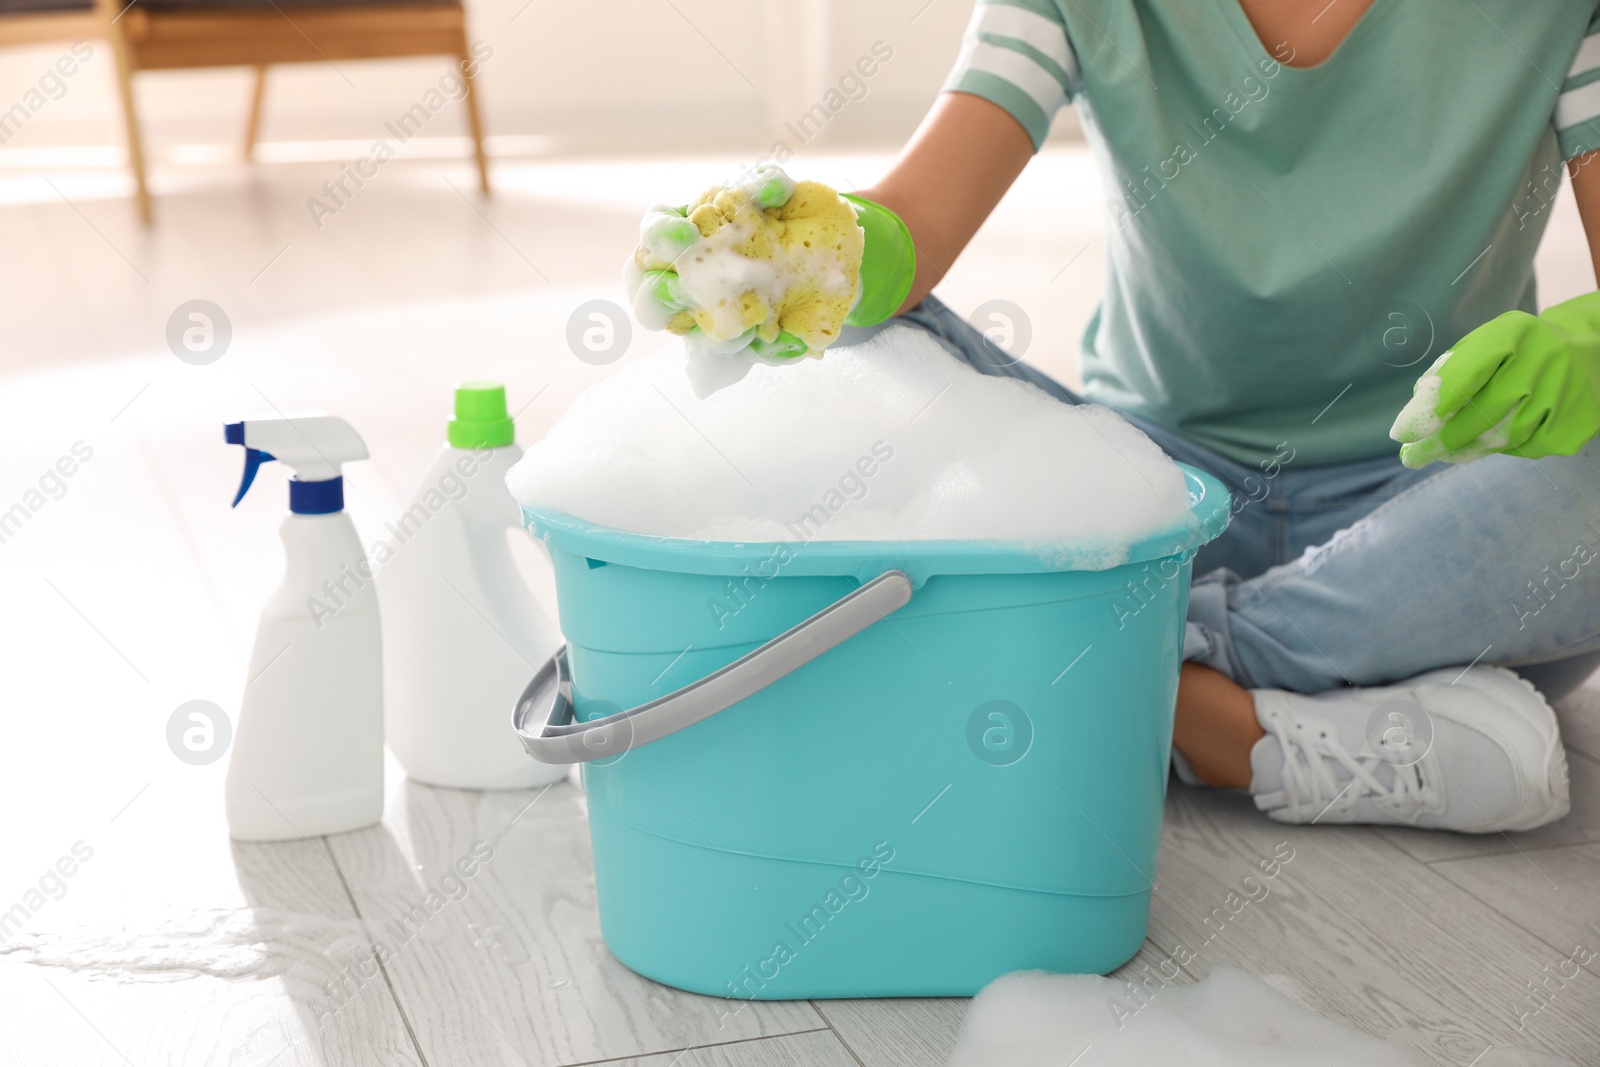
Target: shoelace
[(1308, 777)]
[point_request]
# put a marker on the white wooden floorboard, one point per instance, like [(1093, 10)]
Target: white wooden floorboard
[(1359, 931), (819, 1048), (1553, 893), (515, 971), (897, 1033)]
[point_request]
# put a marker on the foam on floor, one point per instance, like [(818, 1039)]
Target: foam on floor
[(238, 944), (892, 439), (1231, 1019)]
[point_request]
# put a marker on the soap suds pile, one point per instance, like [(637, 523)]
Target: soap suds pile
[(893, 439), (1230, 1019), (743, 266)]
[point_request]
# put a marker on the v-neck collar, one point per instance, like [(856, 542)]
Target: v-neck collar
[(1251, 40)]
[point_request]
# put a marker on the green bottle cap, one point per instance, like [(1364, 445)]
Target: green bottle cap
[(480, 420)]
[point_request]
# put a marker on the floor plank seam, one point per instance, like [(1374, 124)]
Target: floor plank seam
[(1573, 747), (836, 1035), (1513, 920), (405, 1019), (1573, 750), (1554, 846), (695, 1048)]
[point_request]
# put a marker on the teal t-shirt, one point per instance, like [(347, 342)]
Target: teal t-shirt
[(1288, 249)]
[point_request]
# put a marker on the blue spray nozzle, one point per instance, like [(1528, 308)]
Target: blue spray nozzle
[(233, 433), (313, 444)]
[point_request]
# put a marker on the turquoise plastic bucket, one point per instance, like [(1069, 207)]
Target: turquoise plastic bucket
[(972, 785)]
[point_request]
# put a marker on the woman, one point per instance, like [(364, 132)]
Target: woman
[(1305, 205)]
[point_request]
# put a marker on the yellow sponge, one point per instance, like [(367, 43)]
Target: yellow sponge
[(806, 271)]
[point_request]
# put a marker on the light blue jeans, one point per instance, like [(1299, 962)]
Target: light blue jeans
[(1367, 573)]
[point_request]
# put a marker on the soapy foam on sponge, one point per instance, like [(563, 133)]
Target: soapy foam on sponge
[(893, 439), (755, 258), (1230, 1019), (793, 267)]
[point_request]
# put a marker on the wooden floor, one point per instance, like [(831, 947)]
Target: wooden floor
[(133, 588)]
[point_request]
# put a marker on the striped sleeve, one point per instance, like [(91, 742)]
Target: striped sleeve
[(1016, 54), (1577, 117)]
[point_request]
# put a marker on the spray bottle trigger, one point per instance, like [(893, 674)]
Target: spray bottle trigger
[(253, 459), (233, 433)]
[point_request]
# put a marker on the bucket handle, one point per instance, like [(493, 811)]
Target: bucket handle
[(544, 714)]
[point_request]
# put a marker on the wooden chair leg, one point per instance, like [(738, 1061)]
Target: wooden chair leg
[(474, 119), (130, 118), (252, 130)]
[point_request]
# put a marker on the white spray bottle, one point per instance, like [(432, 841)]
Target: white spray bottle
[(308, 753), (464, 633)]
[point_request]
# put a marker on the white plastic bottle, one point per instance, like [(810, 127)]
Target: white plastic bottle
[(308, 752), (464, 634)]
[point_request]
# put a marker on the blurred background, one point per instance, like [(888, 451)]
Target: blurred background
[(590, 112)]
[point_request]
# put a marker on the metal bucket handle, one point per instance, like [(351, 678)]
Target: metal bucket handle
[(544, 714)]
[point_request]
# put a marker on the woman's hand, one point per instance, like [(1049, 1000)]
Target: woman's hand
[(770, 264), (914, 223), (1526, 385), (1522, 384)]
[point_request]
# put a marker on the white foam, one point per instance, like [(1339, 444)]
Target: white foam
[(714, 275), (1420, 418), (714, 365), (1419, 424), (893, 439), (1231, 1019)]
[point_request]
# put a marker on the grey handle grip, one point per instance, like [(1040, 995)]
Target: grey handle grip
[(544, 715)]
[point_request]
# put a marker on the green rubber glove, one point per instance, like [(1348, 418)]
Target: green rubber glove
[(888, 263), (1526, 385)]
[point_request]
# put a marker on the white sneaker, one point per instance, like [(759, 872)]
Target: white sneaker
[(1475, 751)]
